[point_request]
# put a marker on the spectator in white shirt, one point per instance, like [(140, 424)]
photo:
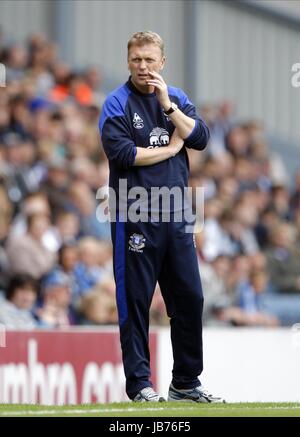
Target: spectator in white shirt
[(15, 309)]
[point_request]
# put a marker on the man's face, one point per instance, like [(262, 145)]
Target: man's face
[(141, 60)]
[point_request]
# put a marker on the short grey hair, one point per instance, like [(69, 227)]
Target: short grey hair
[(146, 37)]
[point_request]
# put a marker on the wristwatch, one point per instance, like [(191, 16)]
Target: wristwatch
[(172, 109)]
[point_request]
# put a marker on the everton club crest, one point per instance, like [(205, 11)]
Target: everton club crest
[(137, 242)]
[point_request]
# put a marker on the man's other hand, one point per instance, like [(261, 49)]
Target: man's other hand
[(161, 89)]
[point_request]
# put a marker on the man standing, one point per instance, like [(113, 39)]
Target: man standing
[(145, 127)]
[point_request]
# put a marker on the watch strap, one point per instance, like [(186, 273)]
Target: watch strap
[(170, 110)]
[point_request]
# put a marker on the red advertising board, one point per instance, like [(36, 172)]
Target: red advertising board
[(65, 367)]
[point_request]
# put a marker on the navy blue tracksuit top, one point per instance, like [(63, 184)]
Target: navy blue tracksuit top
[(132, 119)]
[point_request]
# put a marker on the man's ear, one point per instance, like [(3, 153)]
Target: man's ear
[(162, 63)]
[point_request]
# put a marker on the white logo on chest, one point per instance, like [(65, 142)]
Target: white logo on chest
[(159, 137), (138, 122)]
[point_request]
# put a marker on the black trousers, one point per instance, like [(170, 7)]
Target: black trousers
[(145, 253)]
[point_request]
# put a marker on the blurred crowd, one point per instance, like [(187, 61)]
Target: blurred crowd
[(55, 253), (249, 249)]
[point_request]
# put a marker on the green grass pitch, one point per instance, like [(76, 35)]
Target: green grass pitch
[(166, 409)]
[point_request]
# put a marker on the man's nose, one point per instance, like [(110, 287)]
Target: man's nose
[(143, 64)]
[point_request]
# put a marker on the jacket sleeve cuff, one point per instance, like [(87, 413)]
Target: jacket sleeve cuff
[(198, 138), (190, 140)]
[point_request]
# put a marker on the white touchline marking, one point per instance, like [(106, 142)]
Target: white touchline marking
[(92, 411), (122, 410)]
